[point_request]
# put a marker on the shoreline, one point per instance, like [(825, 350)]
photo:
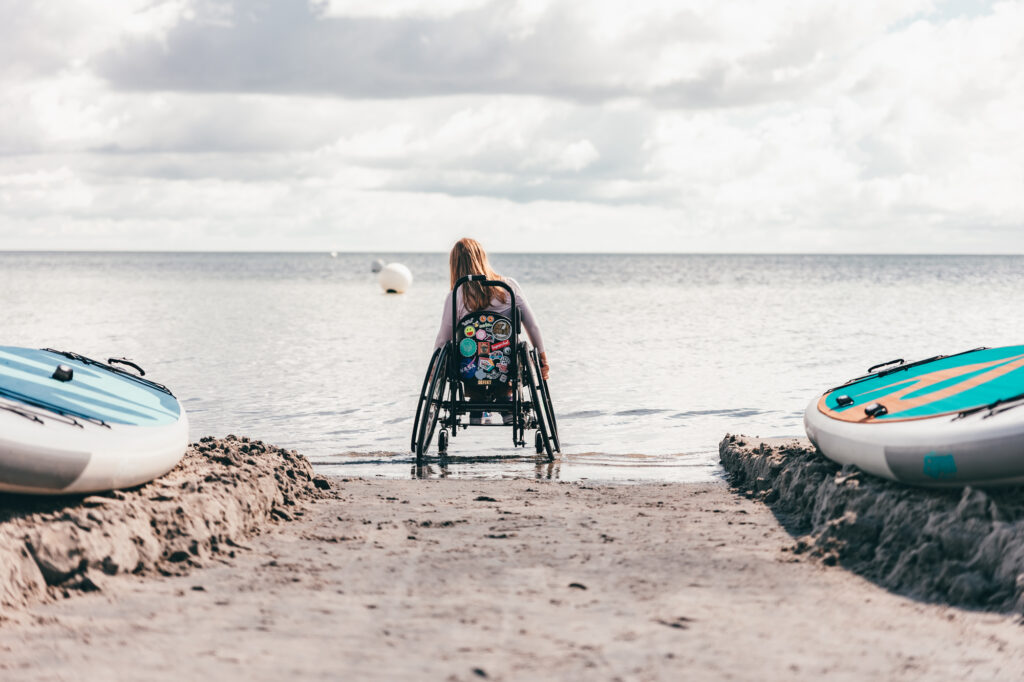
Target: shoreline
[(572, 468), (509, 579)]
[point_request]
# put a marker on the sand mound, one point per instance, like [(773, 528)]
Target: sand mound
[(222, 491), (964, 547)]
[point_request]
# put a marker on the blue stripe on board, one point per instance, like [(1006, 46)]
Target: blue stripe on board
[(40, 372), (93, 392), (80, 393)]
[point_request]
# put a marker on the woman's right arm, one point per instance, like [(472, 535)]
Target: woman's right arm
[(532, 328), (444, 335)]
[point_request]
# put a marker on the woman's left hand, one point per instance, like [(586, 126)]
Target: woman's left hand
[(545, 369)]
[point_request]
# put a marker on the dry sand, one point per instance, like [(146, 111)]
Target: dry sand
[(221, 492), (511, 580)]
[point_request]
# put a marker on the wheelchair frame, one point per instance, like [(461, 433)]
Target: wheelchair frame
[(442, 396)]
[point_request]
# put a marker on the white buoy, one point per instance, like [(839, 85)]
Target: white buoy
[(377, 266), (394, 278)]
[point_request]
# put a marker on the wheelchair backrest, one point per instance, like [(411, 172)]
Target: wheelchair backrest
[(484, 352)]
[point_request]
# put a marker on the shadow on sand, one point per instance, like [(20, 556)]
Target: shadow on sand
[(963, 547)]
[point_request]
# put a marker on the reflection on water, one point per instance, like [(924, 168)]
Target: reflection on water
[(659, 355), (478, 467)]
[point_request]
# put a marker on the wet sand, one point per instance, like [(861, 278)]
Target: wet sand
[(511, 580)]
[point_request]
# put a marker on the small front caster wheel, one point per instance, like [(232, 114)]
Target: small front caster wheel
[(442, 442), (538, 442)]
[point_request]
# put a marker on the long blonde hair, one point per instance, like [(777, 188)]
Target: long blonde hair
[(469, 258)]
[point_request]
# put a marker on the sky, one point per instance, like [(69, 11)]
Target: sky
[(804, 126)]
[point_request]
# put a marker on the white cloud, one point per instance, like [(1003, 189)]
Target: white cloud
[(654, 125), (392, 9)]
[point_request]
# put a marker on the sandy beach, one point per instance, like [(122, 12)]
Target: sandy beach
[(508, 580)]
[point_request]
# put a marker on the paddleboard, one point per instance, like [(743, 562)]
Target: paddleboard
[(69, 424), (944, 421)]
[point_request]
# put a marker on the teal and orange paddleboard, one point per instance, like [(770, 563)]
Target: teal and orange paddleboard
[(945, 421)]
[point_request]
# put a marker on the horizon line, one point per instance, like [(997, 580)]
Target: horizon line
[(498, 252)]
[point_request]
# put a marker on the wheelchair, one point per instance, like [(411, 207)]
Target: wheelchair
[(484, 368)]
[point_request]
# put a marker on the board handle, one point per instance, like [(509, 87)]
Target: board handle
[(897, 361), (126, 361)]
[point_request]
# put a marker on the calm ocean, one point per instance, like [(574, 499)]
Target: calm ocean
[(654, 357)]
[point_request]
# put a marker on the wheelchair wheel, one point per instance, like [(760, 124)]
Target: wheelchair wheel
[(423, 398), (542, 439), (432, 402), (547, 401)]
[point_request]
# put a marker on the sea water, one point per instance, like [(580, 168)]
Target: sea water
[(654, 358)]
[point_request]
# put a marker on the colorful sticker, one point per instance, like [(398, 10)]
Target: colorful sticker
[(503, 378), (498, 345), (486, 364), (490, 318), (497, 356), (483, 348), (470, 330), (483, 318), (503, 366), (507, 351), (468, 368), (467, 347), (483, 382), (502, 330)]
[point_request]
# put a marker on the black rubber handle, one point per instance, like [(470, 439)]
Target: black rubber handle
[(897, 361), (126, 361)]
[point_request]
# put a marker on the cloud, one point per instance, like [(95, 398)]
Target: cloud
[(711, 56), (41, 39), (657, 125)]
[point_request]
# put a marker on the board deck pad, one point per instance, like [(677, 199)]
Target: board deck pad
[(92, 393), (945, 385)]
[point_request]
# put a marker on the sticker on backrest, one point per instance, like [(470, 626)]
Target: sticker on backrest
[(485, 349), (501, 330)]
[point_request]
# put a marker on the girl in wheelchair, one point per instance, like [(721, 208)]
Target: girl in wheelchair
[(468, 257), (481, 361)]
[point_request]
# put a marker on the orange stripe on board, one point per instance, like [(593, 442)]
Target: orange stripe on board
[(895, 403)]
